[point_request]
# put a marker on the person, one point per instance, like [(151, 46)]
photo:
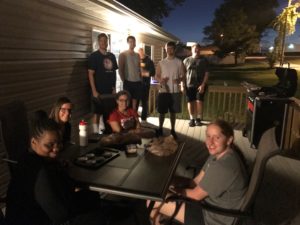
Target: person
[(222, 181), (130, 73), (169, 73), (147, 71), (61, 112), (123, 118), (196, 68), (40, 192), (102, 66)]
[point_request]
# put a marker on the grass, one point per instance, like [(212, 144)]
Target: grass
[(253, 71)]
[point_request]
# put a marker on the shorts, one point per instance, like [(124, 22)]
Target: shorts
[(167, 102), (134, 89), (192, 94), (103, 105), (193, 214)]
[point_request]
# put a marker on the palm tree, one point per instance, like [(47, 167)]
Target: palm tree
[(285, 25)]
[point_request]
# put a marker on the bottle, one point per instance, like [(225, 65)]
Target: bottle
[(83, 137)]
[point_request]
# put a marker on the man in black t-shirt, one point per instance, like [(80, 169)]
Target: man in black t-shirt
[(102, 66)]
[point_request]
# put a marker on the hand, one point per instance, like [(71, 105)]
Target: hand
[(164, 80), (177, 191), (96, 94), (201, 88)]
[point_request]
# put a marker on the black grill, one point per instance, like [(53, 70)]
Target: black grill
[(268, 106)]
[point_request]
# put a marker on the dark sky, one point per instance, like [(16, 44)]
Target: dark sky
[(187, 21)]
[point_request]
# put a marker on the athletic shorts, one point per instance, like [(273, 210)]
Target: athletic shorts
[(134, 89), (103, 105), (192, 94), (193, 214), (169, 102)]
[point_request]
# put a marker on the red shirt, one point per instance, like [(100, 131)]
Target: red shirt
[(117, 116)]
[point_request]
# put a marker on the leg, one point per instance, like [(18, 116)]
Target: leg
[(199, 109), (161, 120), (166, 209), (134, 104), (191, 109), (95, 121), (144, 99), (173, 120)]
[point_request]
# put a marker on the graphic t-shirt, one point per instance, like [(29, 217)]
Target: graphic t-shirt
[(126, 121), (105, 67)]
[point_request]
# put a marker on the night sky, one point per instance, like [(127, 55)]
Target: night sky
[(187, 21)]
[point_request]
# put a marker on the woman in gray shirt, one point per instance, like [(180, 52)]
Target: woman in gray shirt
[(222, 181)]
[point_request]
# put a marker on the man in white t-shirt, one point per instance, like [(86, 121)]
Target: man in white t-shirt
[(170, 74)]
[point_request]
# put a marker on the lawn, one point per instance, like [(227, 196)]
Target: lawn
[(253, 71)]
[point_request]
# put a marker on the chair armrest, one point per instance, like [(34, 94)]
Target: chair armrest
[(225, 212)]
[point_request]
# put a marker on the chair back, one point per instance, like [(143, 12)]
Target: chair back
[(13, 117), (267, 148), (4, 175)]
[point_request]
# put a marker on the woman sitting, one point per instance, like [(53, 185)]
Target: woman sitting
[(40, 192), (61, 113), (221, 182), (123, 118)]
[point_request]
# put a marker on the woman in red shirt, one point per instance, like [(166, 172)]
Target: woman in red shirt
[(123, 118)]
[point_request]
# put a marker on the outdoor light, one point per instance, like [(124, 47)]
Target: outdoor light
[(291, 46)]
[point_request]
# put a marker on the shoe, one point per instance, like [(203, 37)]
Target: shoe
[(159, 132), (198, 122), (192, 123), (173, 133)]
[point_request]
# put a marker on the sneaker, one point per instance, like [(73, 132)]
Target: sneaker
[(173, 133), (198, 122), (159, 132), (192, 123)]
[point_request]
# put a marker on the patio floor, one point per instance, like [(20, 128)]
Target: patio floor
[(278, 200)]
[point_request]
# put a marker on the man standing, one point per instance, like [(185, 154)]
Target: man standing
[(102, 66), (169, 73), (196, 79), (147, 71), (130, 73)]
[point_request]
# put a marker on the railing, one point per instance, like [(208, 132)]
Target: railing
[(224, 102), (292, 134)]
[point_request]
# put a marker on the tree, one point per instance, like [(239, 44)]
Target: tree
[(238, 25), (154, 10), (285, 25), (231, 33)]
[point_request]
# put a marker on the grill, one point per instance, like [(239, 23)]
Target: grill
[(268, 106)]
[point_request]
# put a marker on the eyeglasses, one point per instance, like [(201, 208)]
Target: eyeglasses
[(64, 110)]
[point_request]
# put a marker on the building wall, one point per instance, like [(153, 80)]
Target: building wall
[(44, 48)]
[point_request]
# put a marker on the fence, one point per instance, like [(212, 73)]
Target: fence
[(224, 102)]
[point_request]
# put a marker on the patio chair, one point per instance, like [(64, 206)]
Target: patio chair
[(13, 117), (264, 153), (5, 176)]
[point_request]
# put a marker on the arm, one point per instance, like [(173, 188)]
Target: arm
[(151, 68), (91, 74), (115, 126), (197, 192), (122, 66), (201, 88), (158, 76)]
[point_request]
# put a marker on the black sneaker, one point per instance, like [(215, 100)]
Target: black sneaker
[(173, 133), (159, 132), (192, 123), (198, 122)]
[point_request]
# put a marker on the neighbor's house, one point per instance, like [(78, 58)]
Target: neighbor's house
[(45, 45)]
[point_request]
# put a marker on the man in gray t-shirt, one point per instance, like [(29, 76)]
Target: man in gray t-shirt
[(196, 67)]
